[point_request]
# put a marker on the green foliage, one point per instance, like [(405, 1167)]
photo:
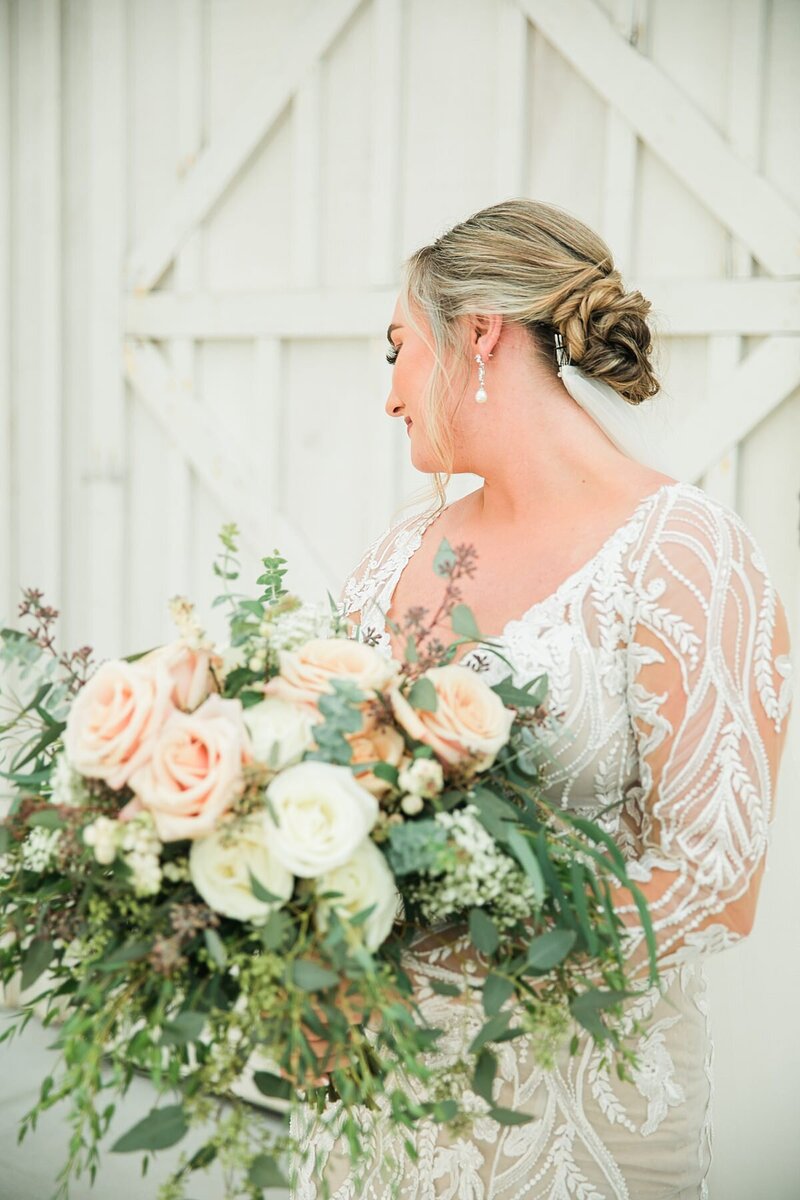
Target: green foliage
[(416, 847), (161, 1128), (422, 694), (341, 715), (483, 931)]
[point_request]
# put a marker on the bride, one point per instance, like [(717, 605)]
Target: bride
[(519, 356)]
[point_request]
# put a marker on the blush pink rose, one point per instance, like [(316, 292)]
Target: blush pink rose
[(190, 669), (470, 721), (115, 719), (384, 743), (306, 672), (194, 773)]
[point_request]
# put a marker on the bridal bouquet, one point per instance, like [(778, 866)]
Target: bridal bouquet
[(216, 856)]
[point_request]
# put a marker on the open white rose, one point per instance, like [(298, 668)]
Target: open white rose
[(281, 729), (365, 879), (321, 815), (220, 867)]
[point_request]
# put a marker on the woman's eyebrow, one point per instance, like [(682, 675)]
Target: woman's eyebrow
[(389, 331)]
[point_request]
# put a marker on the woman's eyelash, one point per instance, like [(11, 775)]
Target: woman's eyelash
[(391, 357)]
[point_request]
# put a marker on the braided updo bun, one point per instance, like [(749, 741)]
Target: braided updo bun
[(606, 334)]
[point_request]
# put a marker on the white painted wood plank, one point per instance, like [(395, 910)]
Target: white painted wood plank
[(220, 163), (736, 403), (268, 392), (305, 230), (106, 474), (187, 279), (36, 292), (383, 251), (511, 74), (674, 128), (695, 307), (746, 59), (207, 447), (619, 175), (8, 496)]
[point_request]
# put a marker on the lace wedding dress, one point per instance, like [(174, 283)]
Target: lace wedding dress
[(670, 682)]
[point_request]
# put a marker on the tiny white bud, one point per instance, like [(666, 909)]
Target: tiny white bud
[(411, 804)]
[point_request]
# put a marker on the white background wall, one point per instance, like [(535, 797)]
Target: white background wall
[(203, 209)]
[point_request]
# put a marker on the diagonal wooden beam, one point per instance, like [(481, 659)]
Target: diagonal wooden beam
[(218, 165), (674, 128), (736, 402), (207, 447)]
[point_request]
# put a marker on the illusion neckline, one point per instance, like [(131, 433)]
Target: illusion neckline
[(564, 586)]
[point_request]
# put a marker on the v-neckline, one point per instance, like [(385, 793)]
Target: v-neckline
[(565, 585)]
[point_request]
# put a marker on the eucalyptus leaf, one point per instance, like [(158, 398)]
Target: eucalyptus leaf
[(549, 949), (161, 1128), (37, 958), (509, 1116), (265, 1173), (483, 931), (261, 893), (422, 694), (444, 559), (490, 1031), (311, 977), (521, 849), (485, 1071), (496, 990), (272, 1085), (184, 1028), (463, 622), (46, 818)]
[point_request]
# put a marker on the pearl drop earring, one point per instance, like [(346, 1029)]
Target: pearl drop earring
[(481, 395)]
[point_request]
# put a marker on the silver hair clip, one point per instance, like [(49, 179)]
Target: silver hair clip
[(562, 358)]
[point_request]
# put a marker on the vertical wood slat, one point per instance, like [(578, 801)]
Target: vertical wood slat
[(747, 46), (35, 284), (7, 492), (305, 248), (267, 408), (619, 173), (187, 279), (385, 184), (511, 58), (105, 595), (383, 250)]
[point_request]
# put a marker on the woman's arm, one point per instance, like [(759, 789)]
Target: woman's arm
[(709, 692)]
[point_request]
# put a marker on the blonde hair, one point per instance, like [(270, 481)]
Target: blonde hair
[(539, 267)]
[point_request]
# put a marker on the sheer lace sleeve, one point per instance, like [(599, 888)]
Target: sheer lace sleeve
[(709, 683)]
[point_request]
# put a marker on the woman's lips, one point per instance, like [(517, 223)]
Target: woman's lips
[(408, 426)]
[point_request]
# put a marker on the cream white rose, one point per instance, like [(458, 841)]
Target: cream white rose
[(280, 732), (469, 719), (194, 773), (220, 867), (115, 719), (321, 815), (365, 879), (306, 673)]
